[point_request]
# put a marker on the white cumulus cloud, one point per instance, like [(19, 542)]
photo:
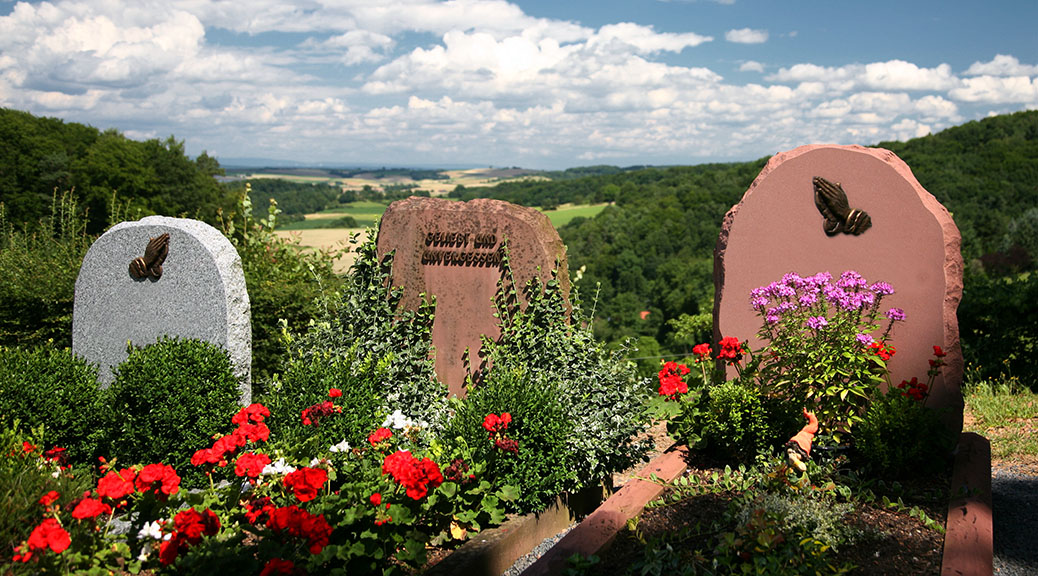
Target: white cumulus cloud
[(746, 36)]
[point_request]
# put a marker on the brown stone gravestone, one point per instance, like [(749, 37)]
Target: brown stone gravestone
[(452, 251), (912, 243)]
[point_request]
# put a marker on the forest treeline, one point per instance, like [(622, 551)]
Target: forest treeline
[(646, 259)]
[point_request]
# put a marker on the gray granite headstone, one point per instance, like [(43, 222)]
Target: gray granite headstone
[(200, 294)]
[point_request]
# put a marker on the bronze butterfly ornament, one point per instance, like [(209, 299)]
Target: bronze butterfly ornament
[(150, 265), (839, 217)]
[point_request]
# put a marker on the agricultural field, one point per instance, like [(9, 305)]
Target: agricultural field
[(315, 233)]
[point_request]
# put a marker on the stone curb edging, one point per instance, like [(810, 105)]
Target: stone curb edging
[(968, 539), (600, 528), (493, 551)]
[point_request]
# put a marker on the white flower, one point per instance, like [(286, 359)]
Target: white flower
[(145, 552), (151, 530), (343, 446), (278, 467), (398, 421)]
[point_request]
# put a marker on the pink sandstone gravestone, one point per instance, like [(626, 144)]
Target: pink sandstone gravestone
[(452, 251), (912, 243)]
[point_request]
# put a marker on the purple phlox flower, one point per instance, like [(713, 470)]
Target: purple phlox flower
[(864, 339), (896, 314), (786, 307), (772, 316), (808, 299), (865, 299), (849, 303), (759, 303), (777, 290), (851, 279), (881, 289), (816, 322), (820, 279), (833, 294), (792, 280)]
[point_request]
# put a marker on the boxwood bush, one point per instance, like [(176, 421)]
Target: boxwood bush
[(57, 390), (167, 401)]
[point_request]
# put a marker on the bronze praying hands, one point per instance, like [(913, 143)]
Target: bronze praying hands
[(839, 217), (154, 256)]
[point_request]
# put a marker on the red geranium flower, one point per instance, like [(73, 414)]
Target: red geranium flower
[(278, 567), (251, 464), (90, 508), (160, 477), (416, 476), (379, 435), (300, 523), (376, 499), (731, 349), (252, 413), (49, 534), (305, 483), (334, 393), (701, 351), (116, 485), (49, 498)]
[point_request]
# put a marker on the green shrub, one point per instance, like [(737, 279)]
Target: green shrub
[(306, 382), (547, 361), (378, 355), (541, 426), (56, 390), (168, 400), (734, 420), (284, 283), (901, 437)]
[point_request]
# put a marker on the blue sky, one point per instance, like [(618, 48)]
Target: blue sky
[(538, 83)]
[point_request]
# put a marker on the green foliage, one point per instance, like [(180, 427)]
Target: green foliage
[(167, 400), (306, 382), (900, 437), (764, 546), (44, 154), (734, 420), (54, 390), (543, 467), (384, 350), (998, 323), (562, 388), (284, 283), (39, 269)]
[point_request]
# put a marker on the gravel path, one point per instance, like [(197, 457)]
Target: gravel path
[(1014, 493)]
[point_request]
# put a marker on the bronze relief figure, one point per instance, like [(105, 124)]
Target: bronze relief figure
[(839, 217), (150, 265)]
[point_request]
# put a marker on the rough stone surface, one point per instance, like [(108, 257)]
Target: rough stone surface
[(451, 251), (913, 244), (201, 294), (968, 540)]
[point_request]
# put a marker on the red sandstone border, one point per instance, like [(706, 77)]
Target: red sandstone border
[(968, 543), (599, 529)]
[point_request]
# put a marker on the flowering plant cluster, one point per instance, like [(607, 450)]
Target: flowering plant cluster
[(823, 349), (672, 386), (373, 508), (496, 426)]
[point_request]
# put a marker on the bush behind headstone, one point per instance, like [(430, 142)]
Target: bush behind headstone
[(55, 389), (167, 401)]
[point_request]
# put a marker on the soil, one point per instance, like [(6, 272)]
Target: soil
[(892, 542)]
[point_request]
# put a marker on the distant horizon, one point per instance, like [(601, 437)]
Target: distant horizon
[(535, 83)]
